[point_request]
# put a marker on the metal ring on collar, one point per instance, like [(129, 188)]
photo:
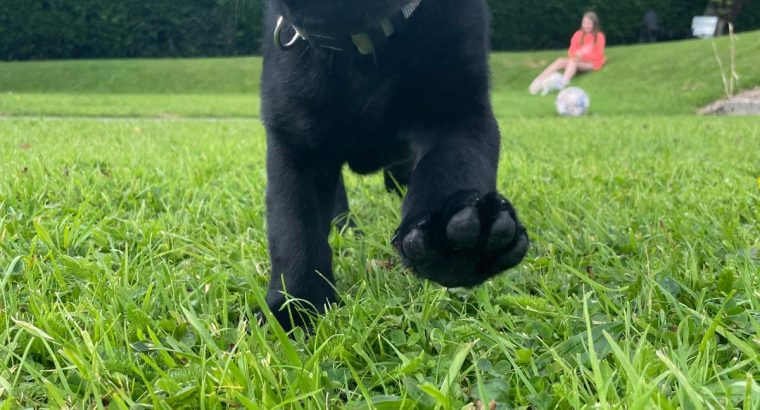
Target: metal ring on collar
[(278, 35)]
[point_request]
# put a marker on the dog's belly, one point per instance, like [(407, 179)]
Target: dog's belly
[(366, 131), (374, 157), (366, 145)]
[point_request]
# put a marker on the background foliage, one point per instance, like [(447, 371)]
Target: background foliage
[(549, 24), (35, 29), (47, 29)]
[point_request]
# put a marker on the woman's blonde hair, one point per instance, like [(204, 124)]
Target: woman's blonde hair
[(597, 25)]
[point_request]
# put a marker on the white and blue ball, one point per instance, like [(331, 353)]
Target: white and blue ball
[(572, 102)]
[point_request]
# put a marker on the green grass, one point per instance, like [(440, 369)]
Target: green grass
[(682, 75), (662, 79), (133, 249)]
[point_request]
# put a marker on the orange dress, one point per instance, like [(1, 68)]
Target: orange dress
[(593, 51)]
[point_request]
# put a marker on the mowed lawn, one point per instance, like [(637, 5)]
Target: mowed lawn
[(133, 250)]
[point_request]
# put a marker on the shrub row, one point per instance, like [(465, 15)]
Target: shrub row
[(549, 24), (48, 29), (37, 29)]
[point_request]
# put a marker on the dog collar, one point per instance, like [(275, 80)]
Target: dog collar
[(366, 42)]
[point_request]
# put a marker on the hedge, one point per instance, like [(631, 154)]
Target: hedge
[(549, 24), (49, 29), (36, 29)]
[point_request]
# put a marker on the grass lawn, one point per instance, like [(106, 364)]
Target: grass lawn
[(132, 249)]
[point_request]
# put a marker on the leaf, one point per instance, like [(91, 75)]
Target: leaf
[(670, 285), (13, 268), (523, 356), (279, 332), (433, 392), (735, 389), (397, 337), (43, 234), (485, 365), (246, 402), (726, 280), (456, 366), (5, 387), (34, 330), (183, 395), (140, 347), (384, 403), (202, 332), (683, 380), (711, 330), (415, 392), (573, 350), (494, 389)]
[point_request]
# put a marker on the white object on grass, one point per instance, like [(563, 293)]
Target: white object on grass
[(572, 102), (704, 26), (554, 82)]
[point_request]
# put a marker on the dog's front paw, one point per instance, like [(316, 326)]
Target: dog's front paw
[(300, 309), (470, 239)]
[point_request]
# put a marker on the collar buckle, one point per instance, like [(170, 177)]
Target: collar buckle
[(278, 42)]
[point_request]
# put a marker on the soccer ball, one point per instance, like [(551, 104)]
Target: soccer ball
[(572, 102)]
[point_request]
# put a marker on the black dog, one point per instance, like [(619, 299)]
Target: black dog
[(399, 85)]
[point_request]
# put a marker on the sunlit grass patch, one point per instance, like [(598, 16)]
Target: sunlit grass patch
[(133, 253)]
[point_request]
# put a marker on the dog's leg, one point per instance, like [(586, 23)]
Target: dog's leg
[(300, 199), (457, 229)]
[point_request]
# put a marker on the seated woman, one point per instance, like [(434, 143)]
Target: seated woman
[(586, 53)]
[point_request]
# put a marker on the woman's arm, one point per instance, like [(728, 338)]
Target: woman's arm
[(597, 53), (601, 42)]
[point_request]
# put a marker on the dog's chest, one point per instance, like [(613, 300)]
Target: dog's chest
[(359, 108)]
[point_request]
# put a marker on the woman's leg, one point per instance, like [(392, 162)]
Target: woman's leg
[(557, 65), (573, 67)]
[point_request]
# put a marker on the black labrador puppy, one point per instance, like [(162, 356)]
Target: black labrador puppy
[(394, 85)]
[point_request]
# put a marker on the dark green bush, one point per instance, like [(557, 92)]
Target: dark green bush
[(519, 25), (35, 29), (47, 29)]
